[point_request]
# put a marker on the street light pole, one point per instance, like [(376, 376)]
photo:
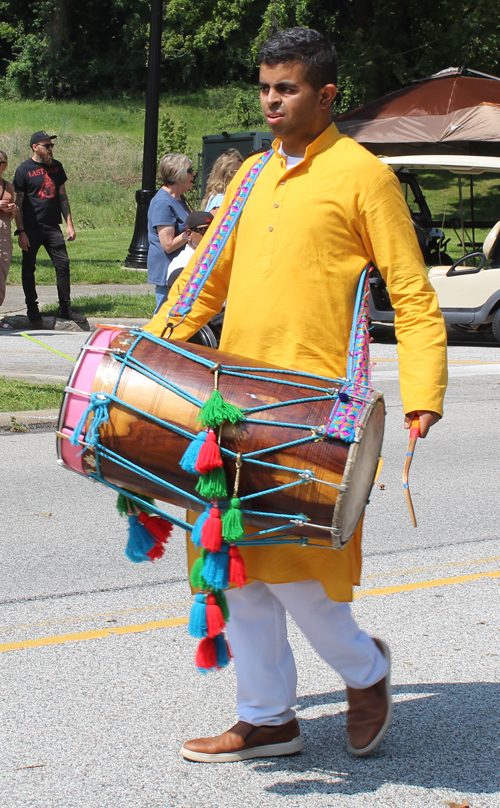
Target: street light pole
[(138, 251)]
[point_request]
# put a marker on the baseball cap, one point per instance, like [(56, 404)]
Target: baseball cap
[(41, 135), (198, 218)]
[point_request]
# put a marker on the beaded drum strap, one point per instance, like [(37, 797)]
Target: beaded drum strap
[(210, 255), (353, 396)]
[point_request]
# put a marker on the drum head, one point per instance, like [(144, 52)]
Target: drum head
[(359, 474)]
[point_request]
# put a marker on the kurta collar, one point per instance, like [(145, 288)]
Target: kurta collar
[(327, 138)]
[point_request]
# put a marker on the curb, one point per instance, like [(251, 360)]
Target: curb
[(28, 420)]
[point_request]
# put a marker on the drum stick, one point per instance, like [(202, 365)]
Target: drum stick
[(23, 334), (414, 435)]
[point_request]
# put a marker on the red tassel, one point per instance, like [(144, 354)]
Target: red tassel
[(157, 551), (206, 655), (159, 528), (211, 532), (237, 571), (209, 456), (215, 618)]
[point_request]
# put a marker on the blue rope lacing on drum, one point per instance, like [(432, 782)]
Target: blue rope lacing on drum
[(100, 402)]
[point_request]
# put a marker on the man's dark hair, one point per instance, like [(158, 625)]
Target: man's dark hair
[(304, 45)]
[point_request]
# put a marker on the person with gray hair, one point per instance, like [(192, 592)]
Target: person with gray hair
[(166, 220)]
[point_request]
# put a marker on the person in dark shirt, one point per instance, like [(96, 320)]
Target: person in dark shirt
[(41, 197)]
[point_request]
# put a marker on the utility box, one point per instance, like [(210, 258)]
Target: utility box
[(213, 146)]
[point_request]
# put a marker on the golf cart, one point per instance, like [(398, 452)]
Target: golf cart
[(469, 296)]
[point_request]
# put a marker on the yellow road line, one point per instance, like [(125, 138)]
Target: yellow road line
[(457, 579), (179, 621), (93, 635)]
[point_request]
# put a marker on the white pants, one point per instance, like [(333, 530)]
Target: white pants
[(265, 667)]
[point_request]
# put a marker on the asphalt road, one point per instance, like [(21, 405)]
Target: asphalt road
[(98, 686)]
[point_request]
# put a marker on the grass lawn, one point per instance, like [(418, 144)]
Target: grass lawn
[(100, 145), (16, 396), (96, 256), (118, 305)]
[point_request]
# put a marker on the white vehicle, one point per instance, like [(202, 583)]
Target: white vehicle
[(468, 296)]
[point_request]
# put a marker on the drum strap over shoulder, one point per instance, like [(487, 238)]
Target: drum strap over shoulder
[(352, 398), (206, 262)]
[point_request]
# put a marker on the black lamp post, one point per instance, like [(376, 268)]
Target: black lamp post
[(138, 251)]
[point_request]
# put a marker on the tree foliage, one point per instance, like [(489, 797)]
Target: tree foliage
[(65, 48)]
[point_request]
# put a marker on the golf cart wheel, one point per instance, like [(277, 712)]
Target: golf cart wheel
[(496, 325)]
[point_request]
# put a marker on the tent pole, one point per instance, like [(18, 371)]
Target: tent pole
[(471, 181), (461, 211)]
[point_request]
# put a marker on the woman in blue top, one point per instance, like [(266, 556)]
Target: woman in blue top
[(166, 220)]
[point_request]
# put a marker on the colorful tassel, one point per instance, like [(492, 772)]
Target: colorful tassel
[(140, 542), (213, 485), (198, 526), (196, 578), (198, 617), (237, 571), (222, 650), (214, 618), (125, 505), (222, 603), (232, 521), (216, 569), (209, 455), (215, 411), (211, 531), (160, 529), (206, 655), (190, 456)]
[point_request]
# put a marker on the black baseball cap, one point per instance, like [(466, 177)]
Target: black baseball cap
[(198, 218), (41, 135)]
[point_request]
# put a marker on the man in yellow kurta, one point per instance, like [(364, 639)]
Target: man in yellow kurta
[(320, 210)]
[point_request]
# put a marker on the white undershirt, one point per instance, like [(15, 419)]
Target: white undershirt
[(290, 161)]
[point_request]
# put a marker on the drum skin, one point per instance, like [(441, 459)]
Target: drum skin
[(158, 450)]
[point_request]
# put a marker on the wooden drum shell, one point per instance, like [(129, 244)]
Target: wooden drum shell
[(158, 450)]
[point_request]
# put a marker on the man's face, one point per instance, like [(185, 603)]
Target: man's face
[(292, 107), (44, 151)]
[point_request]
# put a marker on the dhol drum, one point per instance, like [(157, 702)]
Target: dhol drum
[(293, 481)]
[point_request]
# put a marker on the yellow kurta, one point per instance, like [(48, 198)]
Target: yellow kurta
[(289, 272)]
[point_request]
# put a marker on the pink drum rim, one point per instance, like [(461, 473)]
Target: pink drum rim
[(73, 404)]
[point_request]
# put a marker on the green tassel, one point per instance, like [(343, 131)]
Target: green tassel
[(232, 521), (124, 504), (222, 603), (196, 578), (215, 411), (213, 485)]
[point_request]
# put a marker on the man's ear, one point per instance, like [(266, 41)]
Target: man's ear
[(327, 95)]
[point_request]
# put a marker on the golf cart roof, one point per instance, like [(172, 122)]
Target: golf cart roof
[(457, 163)]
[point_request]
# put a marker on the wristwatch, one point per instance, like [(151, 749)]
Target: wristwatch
[(18, 232)]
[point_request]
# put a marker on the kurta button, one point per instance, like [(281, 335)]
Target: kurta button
[(282, 182), (271, 229), (276, 205)]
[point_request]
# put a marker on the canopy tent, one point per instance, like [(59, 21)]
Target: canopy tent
[(448, 113)]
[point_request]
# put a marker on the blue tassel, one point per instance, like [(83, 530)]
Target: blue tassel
[(197, 527), (190, 456), (216, 568), (222, 651), (140, 541), (198, 617), (99, 404)]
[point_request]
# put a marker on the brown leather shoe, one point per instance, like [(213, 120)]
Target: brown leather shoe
[(244, 741), (370, 712)]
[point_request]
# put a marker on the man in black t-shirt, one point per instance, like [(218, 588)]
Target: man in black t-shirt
[(41, 197)]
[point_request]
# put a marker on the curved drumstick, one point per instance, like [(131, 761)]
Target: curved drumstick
[(414, 435)]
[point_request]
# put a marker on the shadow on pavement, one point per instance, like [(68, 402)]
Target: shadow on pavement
[(442, 736)]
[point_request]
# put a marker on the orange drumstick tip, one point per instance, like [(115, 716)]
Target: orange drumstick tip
[(415, 428)]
